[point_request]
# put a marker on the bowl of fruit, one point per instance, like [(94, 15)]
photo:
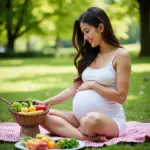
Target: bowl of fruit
[(27, 115)]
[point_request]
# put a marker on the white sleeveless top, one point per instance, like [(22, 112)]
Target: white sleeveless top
[(90, 101)]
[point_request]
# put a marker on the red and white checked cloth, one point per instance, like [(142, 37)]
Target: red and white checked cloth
[(136, 132)]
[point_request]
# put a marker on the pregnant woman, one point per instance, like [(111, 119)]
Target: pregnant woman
[(101, 85)]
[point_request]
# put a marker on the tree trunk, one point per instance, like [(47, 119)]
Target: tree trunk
[(10, 37), (10, 44), (145, 27), (58, 43), (29, 45)]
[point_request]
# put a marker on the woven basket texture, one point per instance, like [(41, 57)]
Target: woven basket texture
[(30, 119)]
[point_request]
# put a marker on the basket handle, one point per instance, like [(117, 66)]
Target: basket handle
[(2, 99)]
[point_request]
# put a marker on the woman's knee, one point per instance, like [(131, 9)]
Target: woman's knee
[(90, 121), (93, 118)]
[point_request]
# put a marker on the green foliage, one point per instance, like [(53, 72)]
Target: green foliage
[(121, 15), (27, 54), (126, 6), (133, 34), (55, 18), (28, 17), (65, 13), (20, 17), (68, 143)]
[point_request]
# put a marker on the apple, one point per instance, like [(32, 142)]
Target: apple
[(42, 146)]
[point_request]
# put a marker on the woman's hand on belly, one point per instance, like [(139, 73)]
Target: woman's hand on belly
[(85, 86)]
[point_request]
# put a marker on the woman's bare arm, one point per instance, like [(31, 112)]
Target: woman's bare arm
[(123, 69), (64, 95)]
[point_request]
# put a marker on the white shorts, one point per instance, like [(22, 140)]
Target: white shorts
[(121, 123)]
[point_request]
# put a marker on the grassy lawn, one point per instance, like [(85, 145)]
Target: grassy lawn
[(41, 78)]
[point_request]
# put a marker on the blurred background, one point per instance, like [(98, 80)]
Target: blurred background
[(44, 27)]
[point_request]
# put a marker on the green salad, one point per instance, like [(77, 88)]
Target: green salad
[(68, 143)]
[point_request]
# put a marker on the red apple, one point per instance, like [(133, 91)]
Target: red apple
[(42, 146)]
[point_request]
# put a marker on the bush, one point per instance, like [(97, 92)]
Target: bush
[(26, 54)]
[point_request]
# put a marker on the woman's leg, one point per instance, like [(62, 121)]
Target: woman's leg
[(67, 115), (98, 123), (61, 127)]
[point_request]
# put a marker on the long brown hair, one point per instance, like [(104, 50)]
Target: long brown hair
[(85, 53)]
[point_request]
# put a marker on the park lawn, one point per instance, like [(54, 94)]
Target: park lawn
[(41, 78)]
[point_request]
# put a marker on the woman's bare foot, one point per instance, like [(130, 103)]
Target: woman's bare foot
[(93, 137), (98, 138)]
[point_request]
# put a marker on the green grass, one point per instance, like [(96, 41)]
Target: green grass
[(41, 78)]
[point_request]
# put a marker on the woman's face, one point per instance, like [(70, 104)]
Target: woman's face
[(91, 34)]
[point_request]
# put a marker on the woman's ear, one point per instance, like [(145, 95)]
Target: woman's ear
[(101, 27)]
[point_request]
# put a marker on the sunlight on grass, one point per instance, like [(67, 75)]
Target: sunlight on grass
[(132, 97), (15, 72), (32, 86), (13, 62), (135, 47), (141, 67), (32, 78)]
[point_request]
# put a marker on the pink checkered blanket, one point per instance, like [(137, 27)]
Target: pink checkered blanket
[(136, 132)]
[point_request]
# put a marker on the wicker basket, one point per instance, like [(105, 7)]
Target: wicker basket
[(28, 120), (29, 123)]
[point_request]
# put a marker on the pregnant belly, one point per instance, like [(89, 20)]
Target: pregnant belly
[(90, 101)]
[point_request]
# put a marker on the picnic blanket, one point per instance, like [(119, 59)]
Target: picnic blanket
[(136, 132)]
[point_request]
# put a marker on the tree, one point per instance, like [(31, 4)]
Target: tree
[(145, 27), (19, 16), (133, 8), (64, 17)]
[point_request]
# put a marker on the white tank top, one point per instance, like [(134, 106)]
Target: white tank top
[(90, 101)]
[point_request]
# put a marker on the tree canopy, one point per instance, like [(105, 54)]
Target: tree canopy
[(139, 10), (56, 17), (18, 17)]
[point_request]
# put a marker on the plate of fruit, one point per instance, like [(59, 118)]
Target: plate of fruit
[(45, 142)]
